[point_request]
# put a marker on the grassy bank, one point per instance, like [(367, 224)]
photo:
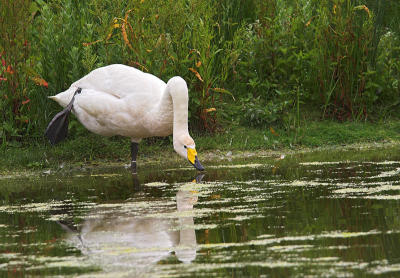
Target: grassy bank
[(89, 149)]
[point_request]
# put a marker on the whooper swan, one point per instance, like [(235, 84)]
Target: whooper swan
[(122, 100)]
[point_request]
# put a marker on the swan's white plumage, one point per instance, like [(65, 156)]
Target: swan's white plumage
[(121, 100)]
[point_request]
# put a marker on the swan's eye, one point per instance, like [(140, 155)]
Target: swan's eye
[(184, 146)]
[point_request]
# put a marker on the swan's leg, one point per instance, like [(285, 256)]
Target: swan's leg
[(135, 182), (134, 151)]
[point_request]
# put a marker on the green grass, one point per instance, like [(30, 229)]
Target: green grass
[(333, 133), (87, 148), (314, 134)]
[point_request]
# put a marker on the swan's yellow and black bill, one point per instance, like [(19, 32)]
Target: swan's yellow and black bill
[(192, 157)]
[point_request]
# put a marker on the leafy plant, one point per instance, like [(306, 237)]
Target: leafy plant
[(16, 76), (345, 33), (257, 63)]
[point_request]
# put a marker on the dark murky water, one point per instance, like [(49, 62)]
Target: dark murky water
[(262, 218)]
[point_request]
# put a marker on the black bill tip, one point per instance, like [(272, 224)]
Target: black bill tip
[(199, 178), (198, 165)]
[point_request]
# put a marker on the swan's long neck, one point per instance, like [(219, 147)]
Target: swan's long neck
[(178, 91), (180, 117)]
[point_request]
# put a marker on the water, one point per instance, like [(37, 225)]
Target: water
[(326, 215)]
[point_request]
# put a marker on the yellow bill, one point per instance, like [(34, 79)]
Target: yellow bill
[(192, 157)]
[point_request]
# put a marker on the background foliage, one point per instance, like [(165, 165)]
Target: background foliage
[(249, 62)]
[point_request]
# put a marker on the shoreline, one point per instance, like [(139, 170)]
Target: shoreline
[(214, 157)]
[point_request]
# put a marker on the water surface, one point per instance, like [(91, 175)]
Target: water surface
[(331, 215)]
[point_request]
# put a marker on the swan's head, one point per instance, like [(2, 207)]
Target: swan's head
[(186, 148)]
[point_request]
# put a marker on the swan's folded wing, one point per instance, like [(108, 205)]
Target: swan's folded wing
[(121, 81)]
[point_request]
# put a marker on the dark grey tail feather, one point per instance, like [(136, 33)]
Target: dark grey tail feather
[(57, 130)]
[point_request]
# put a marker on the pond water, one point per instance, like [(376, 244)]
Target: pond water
[(330, 215)]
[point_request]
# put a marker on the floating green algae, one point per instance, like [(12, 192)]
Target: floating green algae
[(275, 218)]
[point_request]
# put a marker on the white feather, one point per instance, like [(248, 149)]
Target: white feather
[(121, 100)]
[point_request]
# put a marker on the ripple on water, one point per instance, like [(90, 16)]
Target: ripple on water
[(313, 219)]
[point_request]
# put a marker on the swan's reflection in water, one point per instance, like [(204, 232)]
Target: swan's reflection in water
[(119, 241)]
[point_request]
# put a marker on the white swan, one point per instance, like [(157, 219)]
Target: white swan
[(122, 100)]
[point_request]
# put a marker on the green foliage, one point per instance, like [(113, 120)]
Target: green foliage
[(87, 148), (254, 63), (15, 18), (345, 33), (268, 65), (388, 67)]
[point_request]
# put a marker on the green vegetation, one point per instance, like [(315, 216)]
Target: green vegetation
[(89, 149), (262, 67)]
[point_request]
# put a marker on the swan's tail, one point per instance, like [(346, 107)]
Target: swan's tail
[(64, 98)]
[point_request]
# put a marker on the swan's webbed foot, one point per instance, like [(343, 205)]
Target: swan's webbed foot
[(134, 151)]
